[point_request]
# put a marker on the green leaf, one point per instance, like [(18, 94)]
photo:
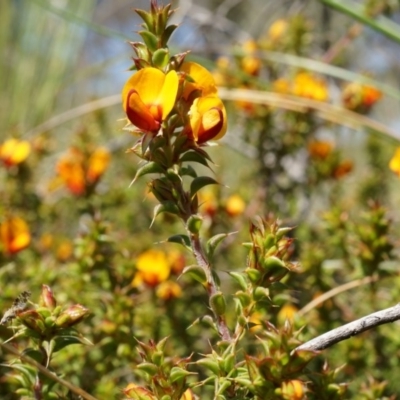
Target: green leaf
[(146, 17), (189, 171), (214, 242), (169, 30), (239, 278), (200, 182), (150, 40), (193, 156), (160, 58), (180, 239), (166, 207), (197, 273), (149, 168)]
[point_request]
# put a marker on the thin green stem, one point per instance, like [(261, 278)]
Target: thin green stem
[(48, 373), (212, 287)]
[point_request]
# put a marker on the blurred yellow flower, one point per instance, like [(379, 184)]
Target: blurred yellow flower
[(14, 152), (293, 390), (98, 163), (394, 164), (277, 30), (303, 85), (287, 313), (168, 290), (152, 267), (188, 395), (235, 205), (250, 63), (208, 202), (14, 235), (307, 85), (64, 250), (149, 96)]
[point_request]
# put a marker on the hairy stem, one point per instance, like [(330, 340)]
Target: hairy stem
[(211, 286)]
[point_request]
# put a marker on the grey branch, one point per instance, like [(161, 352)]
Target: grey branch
[(353, 328)]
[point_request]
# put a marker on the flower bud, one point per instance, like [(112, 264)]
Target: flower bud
[(72, 316), (47, 298), (218, 303)]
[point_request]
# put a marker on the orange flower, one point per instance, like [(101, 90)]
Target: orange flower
[(320, 149), (207, 119), (14, 235), (344, 168), (188, 395), (394, 164), (76, 174), (13, 152), (149, 96), (360, 98), (134, 391), (152, 267), (98, 163)]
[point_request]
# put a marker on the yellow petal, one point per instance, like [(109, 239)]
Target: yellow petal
[(203, 80), (208, 119), (394, 164), (168, 93)]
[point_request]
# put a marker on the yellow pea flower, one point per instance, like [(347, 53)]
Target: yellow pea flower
[(201, 80), (207, 119), (149, 96), (14, 235), (13, 152)]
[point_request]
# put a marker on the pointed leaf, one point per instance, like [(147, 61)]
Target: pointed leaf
[(197, 273), (192, 156), (160, 58), (168, 207), (146, 17), (180, 239), (149, 39), (189, 171), (199, 183), (149, 168), (167, 34), (214, 242)]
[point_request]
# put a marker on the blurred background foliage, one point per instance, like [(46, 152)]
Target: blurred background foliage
[(306, 142)]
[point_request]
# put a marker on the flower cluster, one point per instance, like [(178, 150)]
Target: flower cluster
[(176, 94)]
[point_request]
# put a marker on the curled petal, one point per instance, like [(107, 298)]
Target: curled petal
[(207, 119)]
